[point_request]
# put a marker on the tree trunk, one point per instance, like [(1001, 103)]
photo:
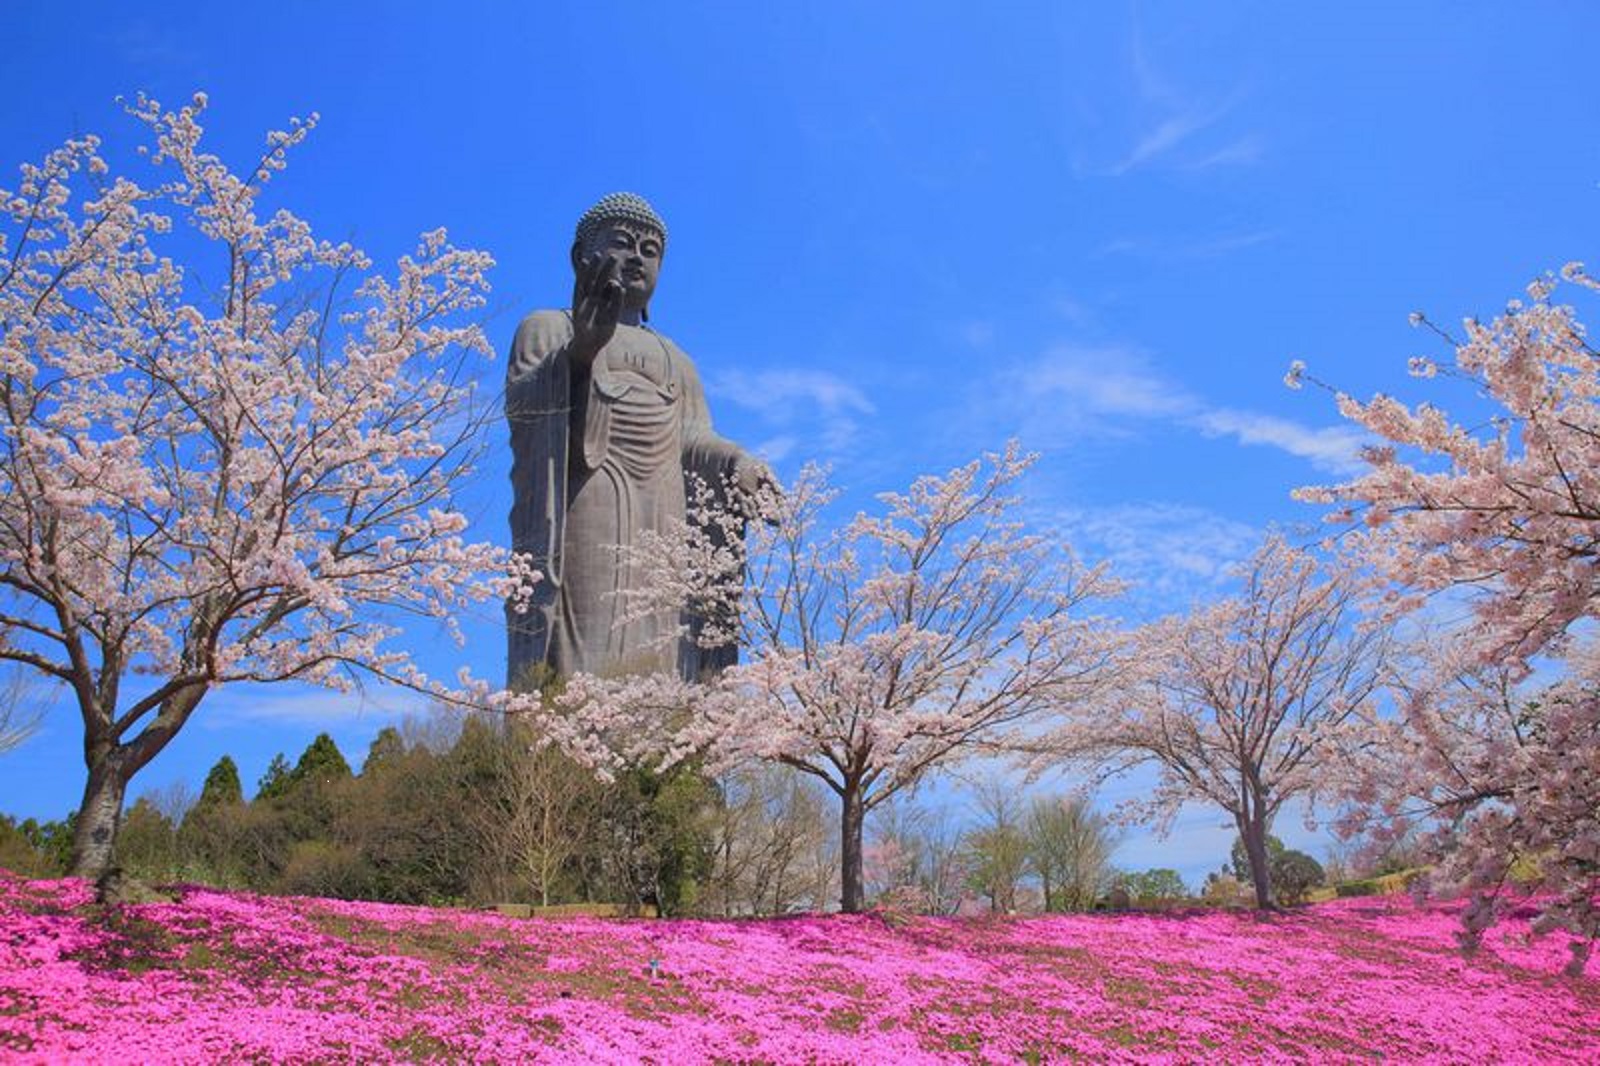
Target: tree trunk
[(100, 814), (853, 813), (1254, 834), (111, 766)]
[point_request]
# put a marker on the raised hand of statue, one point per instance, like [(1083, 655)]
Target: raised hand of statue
[(597, 294)]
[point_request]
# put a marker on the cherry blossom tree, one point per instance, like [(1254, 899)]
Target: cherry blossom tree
[(1495, 779), (230, 450), (1504, 515), (874, 653), (1506, 511), (1245, 703)]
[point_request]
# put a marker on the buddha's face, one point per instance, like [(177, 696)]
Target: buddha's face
[(637, 252)]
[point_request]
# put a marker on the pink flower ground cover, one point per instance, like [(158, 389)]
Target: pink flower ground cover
[(224, 976)]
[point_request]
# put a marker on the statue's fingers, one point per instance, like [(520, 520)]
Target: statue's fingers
[(583, 287), (594, 272)]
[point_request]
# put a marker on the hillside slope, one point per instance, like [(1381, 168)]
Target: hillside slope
[(224, 976)]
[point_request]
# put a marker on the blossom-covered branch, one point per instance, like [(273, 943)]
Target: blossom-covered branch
[(218, 462), (1246, 703), (1507, 517), (874, 651)]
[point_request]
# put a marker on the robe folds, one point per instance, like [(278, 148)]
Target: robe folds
[(598, 458)]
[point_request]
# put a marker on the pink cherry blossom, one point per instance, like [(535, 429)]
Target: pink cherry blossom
[(872, 652), (1497, 743), (229, 452), (1244, 704)]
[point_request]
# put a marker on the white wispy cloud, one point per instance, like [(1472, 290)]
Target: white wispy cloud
[(1107, 380), (776, 449), (304, 705), (1336, 449), (1075, 312), (1163, 137), (1242, 152), (1103, 388), (1174, 121), (795, 403), (1172, 554)]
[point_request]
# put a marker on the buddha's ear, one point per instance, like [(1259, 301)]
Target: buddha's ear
[(576, 255), (644, 313)]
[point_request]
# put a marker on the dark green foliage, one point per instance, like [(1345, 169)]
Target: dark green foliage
[(212, 836), (421, 824), (322, 763), (53, 839), (35, 849), (16, 852), (222, 787), (275, 782), (680, 815), (1294, 873), (1291, 873), (322, 868), (147, 843), (300, 807), (654, 844), (1239, 858), (407, 821)]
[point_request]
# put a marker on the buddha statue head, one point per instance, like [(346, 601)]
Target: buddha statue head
[(625, 228)]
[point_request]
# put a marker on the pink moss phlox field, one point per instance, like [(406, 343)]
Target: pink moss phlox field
[(223, 976)]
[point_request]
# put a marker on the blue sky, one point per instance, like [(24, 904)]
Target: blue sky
[(901, 234)]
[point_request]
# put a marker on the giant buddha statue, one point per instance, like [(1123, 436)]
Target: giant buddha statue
[(609, 428)]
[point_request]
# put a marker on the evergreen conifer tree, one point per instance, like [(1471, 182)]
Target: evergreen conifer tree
[(321, 762), (386, 747), (276, 781), (222, 787)]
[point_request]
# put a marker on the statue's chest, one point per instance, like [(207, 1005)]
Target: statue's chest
[(635, 421), (636, 369)]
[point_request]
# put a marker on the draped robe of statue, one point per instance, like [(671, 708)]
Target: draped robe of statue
[(592, 467)]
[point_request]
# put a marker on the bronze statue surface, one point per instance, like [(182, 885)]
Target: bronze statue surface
[(608, 425)]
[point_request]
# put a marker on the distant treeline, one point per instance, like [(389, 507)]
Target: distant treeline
[(464, 811), (472, 815)]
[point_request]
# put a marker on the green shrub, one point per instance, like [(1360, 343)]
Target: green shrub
[(1294, 873)]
